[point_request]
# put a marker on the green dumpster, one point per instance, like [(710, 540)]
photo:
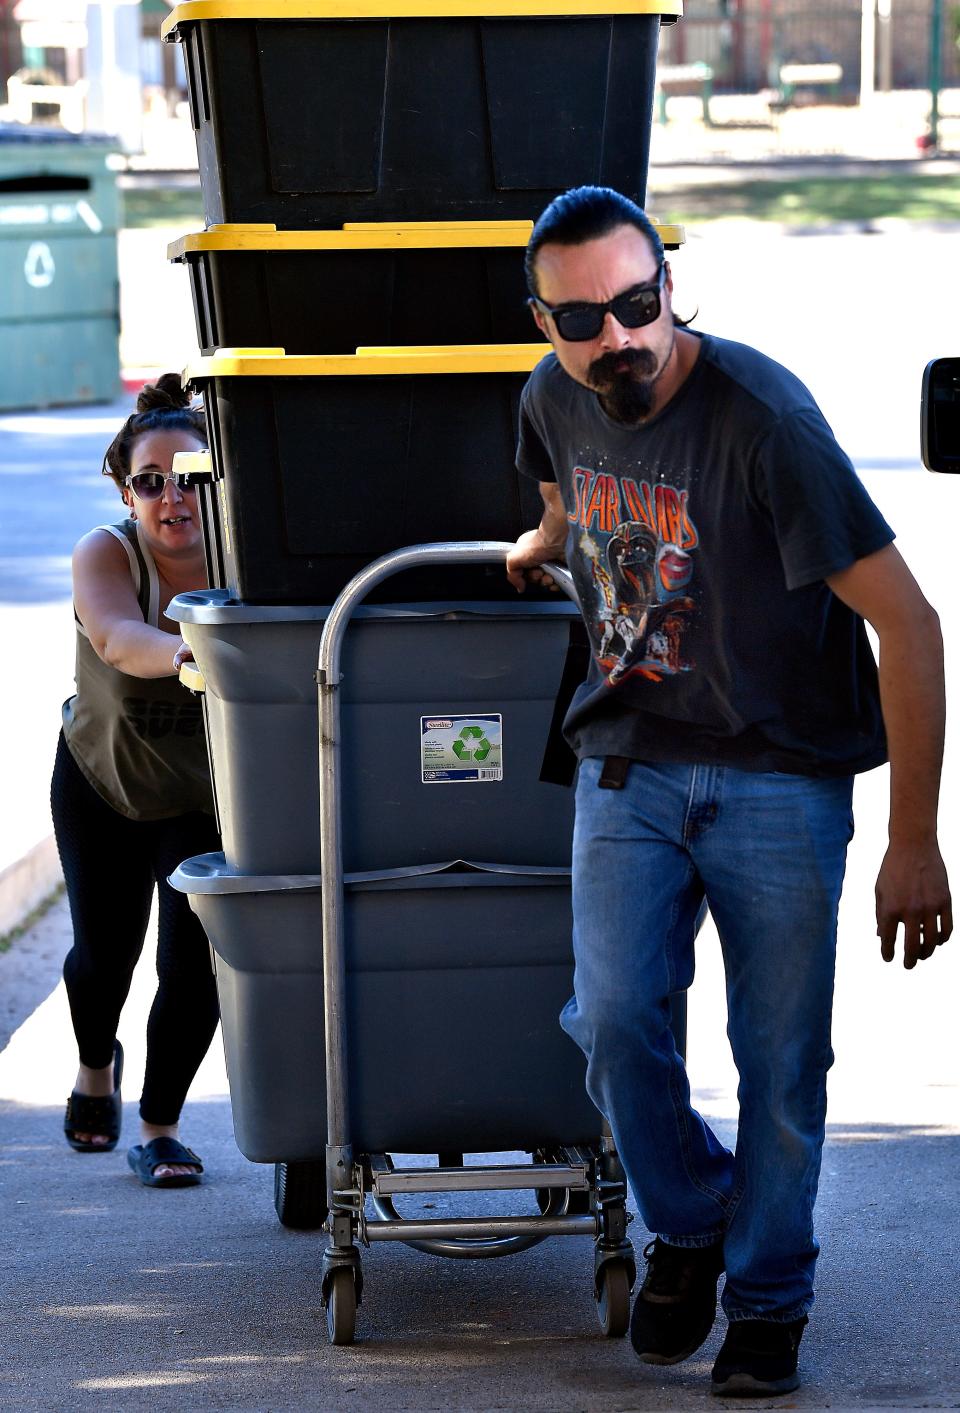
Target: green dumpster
[(59, 292)]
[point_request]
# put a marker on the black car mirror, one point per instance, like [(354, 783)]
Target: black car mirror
[(940, 415)]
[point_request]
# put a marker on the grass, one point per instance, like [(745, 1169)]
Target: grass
[(807, 201), (8, 938), (162, 206), (800, 201)]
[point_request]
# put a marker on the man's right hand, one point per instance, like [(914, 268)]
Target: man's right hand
[(524, 560), (545, 543)]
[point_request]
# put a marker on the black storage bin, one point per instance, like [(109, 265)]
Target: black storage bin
[(212, 520), (335, 290), (417, 282), (322, 464), (304, 109)]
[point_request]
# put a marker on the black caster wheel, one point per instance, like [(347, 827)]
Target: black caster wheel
[(613, 1302), (300, 1195), (341, 1306)]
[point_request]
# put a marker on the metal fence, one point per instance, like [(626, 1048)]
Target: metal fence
[(746, 42)]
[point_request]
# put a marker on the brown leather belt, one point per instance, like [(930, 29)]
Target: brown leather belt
[(614, 773)]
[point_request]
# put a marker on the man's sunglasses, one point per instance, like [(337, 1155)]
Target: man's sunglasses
[(148, 485), (639, 305)]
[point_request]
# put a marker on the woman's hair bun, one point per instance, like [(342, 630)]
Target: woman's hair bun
[(162, 405), (163, 395)]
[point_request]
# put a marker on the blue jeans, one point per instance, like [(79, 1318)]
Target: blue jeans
[(766, 853)]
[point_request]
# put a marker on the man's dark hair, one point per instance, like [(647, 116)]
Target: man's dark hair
[(586, 213)]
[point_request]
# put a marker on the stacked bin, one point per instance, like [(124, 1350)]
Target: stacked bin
[(369, 179)]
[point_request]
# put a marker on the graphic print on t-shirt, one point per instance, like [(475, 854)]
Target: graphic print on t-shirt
[(633, 571)]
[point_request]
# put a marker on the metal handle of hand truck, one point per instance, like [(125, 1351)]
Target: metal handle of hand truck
[(339, 1152)]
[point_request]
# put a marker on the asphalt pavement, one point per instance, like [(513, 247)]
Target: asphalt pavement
[(198, 1298)]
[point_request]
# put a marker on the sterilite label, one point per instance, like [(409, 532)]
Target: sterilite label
[(461, 748)]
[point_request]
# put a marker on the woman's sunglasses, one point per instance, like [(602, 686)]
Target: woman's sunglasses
[(148, 485), (639, 305)]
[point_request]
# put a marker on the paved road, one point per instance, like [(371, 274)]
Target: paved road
[(199, 1299)]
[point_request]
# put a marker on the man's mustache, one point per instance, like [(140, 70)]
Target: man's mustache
[(610, 366)]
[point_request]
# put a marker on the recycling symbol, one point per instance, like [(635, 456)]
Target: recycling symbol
[(478, 752), (39, 268)]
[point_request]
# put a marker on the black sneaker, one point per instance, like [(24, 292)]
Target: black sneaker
[(677, 1304), (759, 1357)]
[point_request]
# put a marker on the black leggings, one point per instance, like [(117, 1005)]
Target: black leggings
[(111, 865)]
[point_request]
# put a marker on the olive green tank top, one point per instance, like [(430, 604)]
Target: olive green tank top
[(138, 740)]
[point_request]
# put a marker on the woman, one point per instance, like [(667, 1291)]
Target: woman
[(131, 794)]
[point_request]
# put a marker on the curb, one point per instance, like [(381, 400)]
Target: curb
[(26, 883)]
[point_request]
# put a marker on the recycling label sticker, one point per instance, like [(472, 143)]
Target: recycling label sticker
[(458, 748)]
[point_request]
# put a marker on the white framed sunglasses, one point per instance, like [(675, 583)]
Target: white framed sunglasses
[(148, 485)]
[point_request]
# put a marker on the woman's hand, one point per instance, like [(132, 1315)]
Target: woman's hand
[(183, 654)]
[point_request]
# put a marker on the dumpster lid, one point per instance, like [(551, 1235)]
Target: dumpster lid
[(210, 873), (38, 136), (358, 235), (191, 11), (367, 362), (376, 235)]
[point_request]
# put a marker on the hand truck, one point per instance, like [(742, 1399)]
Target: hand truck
[(581, 1191)]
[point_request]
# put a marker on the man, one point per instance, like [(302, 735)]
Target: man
[(725, 555)]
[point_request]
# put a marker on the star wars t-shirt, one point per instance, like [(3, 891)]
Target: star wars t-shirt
[(699, 543)]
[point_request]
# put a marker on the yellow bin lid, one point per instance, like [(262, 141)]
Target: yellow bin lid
[(358, 235), (367, 362), (192, 677), (376, 235), (191, 11)]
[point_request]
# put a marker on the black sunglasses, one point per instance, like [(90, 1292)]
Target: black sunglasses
[(148, 485), (636, 306)]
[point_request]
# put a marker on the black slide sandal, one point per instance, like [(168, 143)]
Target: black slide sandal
[(89, 1114), (145, 1158)]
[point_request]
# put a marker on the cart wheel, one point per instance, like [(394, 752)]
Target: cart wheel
[(613, 1303), (341, 1306), (300, 1195)]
